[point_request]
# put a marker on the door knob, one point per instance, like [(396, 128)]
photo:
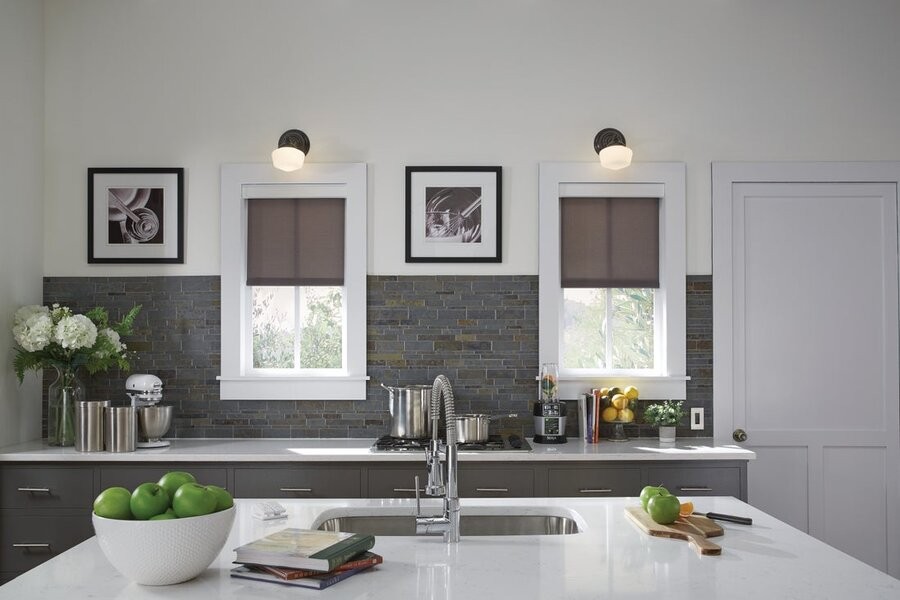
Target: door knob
[(739, 435)]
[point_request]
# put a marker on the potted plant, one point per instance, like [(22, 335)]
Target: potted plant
[(56, 337), (666, 416)]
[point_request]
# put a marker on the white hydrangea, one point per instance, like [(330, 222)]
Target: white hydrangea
[(113, 338), (76, 331), (34, 333), (24, 313)]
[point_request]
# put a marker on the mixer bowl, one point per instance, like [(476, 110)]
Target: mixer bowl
[(154, 421)]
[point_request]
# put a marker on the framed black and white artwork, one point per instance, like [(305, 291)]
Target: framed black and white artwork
[(453, 214), (135, 215)]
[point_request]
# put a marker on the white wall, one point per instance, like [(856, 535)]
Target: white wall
[(410, 82), (21, 247)]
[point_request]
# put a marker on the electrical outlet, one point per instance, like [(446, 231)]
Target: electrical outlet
[(696, 418)]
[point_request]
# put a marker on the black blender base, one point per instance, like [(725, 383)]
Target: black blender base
[(549, 439)]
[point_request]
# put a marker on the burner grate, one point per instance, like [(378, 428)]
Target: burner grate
[(495, 442)]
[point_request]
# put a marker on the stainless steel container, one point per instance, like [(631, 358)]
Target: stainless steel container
[(409, 406), (121, 428), (154, 421), (89, 417), (475, 428)]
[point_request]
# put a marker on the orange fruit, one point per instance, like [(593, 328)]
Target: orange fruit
[(687, 509)]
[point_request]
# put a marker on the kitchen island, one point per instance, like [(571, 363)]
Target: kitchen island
[(609, 558)]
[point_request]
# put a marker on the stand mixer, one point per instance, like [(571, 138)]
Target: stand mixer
[(145, 391)]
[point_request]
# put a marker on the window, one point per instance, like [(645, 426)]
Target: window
[(612, 276), (293, 282)]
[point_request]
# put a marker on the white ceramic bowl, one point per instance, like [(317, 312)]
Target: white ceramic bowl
[(163, 552)]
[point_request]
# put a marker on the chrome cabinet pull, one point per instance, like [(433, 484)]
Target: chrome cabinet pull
[(26, 545), (294, 489), (694, 489), (34, 490), (595, 491), (410, 490), (491, 489)]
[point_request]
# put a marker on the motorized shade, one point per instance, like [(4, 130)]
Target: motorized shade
[(295, 241), (609, 242)]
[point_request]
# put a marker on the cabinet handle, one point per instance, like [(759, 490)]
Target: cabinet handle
[(694, 489), (597, 491), (26, 545), (34, 490), (491, 489), (410, 490), (294, 489)]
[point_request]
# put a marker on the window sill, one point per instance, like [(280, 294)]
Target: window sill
[(292, 388), (651, 387)]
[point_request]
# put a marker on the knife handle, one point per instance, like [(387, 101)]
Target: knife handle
[(730, 518)]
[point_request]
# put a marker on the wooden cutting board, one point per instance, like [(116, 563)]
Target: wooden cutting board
[(695, 529)]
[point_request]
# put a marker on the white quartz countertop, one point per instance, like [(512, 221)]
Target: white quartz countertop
[(609, 558), (359, 449)]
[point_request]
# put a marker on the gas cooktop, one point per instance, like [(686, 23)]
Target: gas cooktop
[(510, 442)]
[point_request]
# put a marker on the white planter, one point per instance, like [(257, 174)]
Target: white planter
[(667, 434)]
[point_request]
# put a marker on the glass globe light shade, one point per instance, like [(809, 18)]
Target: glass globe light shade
[(615, 157), (287, 158)]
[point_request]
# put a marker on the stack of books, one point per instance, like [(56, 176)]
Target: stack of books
[(306, 558)]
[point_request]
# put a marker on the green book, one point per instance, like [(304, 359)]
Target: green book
[(305, 549)]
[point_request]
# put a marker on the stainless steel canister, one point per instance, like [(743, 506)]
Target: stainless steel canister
[(121, 428), (89, 417), (410, 406)]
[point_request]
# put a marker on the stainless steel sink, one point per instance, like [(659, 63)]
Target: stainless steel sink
[(470, 524)]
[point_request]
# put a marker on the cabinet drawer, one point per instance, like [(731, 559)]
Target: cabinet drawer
[(396, 483), (46, 487), (27, 540), (496, 483), (592, 482), (297, 482), (697, 481), (131, 477)]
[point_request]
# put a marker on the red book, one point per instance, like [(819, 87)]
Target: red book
[(596, 429), (363, 561)]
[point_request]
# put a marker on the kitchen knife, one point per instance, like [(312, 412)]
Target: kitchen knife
[(729, 518)]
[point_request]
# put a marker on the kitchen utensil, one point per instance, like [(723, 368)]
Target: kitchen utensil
[(409, 406), (153, 423), (550, 422), (120, 428), (694, 529), (89, 425), (729, 518), (474, 428)]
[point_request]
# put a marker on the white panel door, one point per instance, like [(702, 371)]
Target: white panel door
[(805, 288)]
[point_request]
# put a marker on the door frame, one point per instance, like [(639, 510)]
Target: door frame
[(724, 176)]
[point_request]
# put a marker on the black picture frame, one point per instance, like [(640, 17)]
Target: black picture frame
[(454, 214), (135, 215)]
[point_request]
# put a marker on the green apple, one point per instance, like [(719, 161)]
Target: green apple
[(113, 503), (664, 509), (148, 500), (193, 500), (163, 516), (173, 480), (649, 491), (223, 498)]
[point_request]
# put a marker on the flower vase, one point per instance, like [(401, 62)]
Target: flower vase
[(667, 434), (62, 395)]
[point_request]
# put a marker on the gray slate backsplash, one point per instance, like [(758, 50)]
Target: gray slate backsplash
[(481, 331)]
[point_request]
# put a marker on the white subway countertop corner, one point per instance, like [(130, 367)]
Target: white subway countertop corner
[(359, 450)]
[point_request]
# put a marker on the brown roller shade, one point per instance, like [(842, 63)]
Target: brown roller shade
[(295, 241), (609, 242)]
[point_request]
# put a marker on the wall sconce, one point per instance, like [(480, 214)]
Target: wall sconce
[(610, 146), (293, 146)]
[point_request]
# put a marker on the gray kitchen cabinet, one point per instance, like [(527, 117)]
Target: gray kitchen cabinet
[(297, 482), (700, 480), (131, 476), (496, 481), (30, 487), (393, 481), (594, 482)]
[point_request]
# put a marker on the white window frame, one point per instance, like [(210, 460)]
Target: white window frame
[(240, 182), (665, 181)]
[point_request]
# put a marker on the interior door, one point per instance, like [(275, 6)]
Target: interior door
[(805, 284)]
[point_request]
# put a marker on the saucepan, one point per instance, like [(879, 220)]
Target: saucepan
[(473, 429)]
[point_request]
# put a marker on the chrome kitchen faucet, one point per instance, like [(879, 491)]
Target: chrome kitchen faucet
[(448, 523)]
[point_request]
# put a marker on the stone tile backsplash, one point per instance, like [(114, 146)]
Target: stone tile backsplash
[(481, 331)]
